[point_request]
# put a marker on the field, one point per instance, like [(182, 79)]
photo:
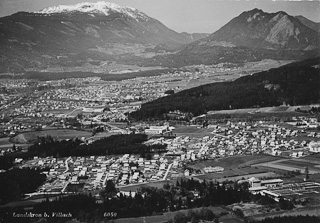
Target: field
[(311, 211), (60, 134), (233, 175), (313, 158), (292, 165), (191, 131), (158, 184), (235, 167), (5, 144), (234, 161), (300, 164), (103, 135)]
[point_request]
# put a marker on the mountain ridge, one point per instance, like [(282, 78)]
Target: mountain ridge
[(307, 22), (259, 29), (108, 33), (93, 35), (101, 7), (295, 84), (252, 36)]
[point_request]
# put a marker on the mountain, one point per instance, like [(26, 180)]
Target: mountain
[(252, 36), (259, 29), (85, 34), (307, 22), (296, 84), (99, 37)]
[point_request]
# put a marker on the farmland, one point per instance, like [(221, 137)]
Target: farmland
[(5, 144), (301, 164), (233, 161), (59, 134), (291, 165), (191, 131), (158, 184), (234, 175)]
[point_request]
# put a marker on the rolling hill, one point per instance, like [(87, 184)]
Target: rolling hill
[(295, 84)]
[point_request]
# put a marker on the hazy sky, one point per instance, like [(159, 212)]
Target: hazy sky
[(184, 15)]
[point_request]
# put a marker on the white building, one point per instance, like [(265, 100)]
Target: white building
[(314, 146)]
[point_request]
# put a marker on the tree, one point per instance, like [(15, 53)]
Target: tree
[(285, 205), (109, 191), (180, 218), (207, 214), (306, 171), (169, 92), (149, 156)]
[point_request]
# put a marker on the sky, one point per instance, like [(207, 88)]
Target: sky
[(201, 16)]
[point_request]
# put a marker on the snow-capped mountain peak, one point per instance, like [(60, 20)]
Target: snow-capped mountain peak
[(100, 7)]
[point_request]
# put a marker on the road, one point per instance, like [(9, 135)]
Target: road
[(167, 172)]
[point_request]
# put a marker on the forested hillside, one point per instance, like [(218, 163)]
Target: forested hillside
[(295, 84)]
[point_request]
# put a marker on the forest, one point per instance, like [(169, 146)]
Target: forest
[(115, 144), (16, 182), (185, 194), (146, 202), (293, 84)]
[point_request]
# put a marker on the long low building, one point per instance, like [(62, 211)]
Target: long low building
[(154, 130), (272, 183)]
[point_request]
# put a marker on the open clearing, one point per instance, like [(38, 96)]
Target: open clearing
[(192, 131), (313, 158), (233, 176), (290, 165), (4, 141), (301, 164), (234, 161), (5, 144), (59, 134), (311, 211), (133, 188)]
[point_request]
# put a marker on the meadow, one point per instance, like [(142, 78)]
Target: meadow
[(60, 134)]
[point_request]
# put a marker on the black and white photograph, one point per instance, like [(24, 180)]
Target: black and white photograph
[(159, 111)]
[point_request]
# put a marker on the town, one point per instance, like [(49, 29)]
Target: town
[(271, 149)]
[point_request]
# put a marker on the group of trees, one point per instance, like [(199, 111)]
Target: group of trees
[(6, 162), (196, 216), (115, 144), (149, 201), (294, 85), (186, 194), (16, 182)]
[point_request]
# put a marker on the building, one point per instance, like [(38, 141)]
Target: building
[(314, 146), (272, 183), (211, 169), (155, 130), (254, 182)]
